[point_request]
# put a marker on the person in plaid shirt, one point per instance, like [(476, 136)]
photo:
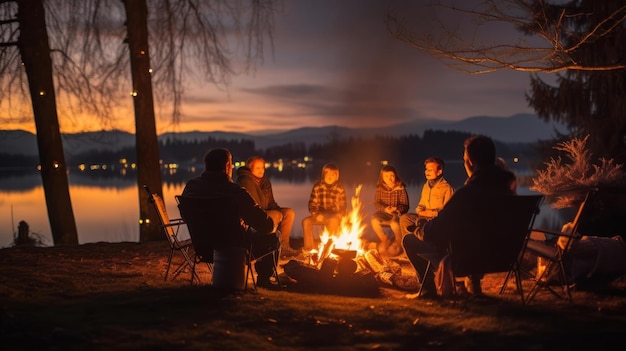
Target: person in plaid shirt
[(390, 201), (327, 205)]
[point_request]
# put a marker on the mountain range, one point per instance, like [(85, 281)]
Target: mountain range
[(519, 128)]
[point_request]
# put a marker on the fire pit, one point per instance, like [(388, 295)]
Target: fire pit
[(340, 265)]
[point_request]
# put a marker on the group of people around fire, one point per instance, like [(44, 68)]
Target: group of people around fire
[(267, 225)]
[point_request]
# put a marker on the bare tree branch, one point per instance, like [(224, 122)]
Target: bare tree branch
[(549, 51)]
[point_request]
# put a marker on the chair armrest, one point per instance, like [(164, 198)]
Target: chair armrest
[(176, 221), (539, 231), (563, 240), (175, 224)]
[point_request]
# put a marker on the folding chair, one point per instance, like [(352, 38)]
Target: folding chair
[(493, 242), (251, 259), (211, 223), (554, 252), (170, 228)]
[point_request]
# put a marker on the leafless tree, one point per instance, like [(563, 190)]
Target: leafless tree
[(168, 42), (25, 42), (547, 45), (582, 41), (182, 32)]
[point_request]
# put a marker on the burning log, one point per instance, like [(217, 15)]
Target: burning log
[(346, 267), (310, 279), (326, 250), (327, 268), (346, 264), (374, 262)]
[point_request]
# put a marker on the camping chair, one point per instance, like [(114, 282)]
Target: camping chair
[(251, 259), (170, 228), (210, 221), (492, 243), (554, 252)]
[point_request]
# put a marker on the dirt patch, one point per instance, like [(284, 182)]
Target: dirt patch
[(112, 296)]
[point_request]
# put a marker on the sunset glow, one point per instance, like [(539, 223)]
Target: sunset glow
[(349, 72)]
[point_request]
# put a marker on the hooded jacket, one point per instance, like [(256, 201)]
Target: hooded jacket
[(259, 188)]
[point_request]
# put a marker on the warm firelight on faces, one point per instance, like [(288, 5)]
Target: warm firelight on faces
[(331, 176), (389, 178), (257, 168), (431, 171)]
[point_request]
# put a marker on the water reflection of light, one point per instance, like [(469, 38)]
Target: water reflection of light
[(106, 209)]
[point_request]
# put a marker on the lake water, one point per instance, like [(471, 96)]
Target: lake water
[(106, 208)]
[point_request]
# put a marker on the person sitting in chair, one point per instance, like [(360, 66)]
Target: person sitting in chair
[(327, 205), (252, 177), (435, 193), (258, 230), (390, 201), (433, 236)]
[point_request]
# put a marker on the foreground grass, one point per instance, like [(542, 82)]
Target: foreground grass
[(112, 297)]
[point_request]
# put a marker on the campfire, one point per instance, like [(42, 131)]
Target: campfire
[(344, 264), (347, 243)]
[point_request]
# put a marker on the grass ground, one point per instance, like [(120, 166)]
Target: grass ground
[(107, 296)]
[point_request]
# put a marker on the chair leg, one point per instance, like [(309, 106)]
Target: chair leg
[(520, 289), (195, 276), (250, 275), (249, 272), (566, 283), (187, 263), (541, 284), (169, 263), (518, 281), (423, 279), (506, 282), (193, 270), (275, 256), (250, 269)]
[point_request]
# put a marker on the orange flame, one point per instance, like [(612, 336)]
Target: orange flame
[(349, 235)]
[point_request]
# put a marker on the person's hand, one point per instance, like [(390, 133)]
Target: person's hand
[(421, 222), (390, 209), (419, 232)]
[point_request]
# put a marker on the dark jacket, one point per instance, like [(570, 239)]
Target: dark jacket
[(259, 188), (218, 185), (465, 206)]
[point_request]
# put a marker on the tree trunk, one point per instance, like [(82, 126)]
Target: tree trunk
[(35, 53), (147, 146)]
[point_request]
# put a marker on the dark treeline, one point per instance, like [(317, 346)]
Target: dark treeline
[(358, 157), (16, 161)]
